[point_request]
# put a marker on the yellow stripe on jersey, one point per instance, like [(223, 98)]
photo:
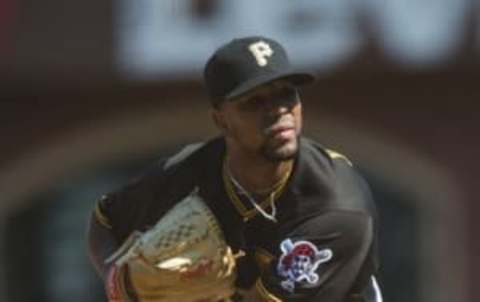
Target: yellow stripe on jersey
[(264, 293)]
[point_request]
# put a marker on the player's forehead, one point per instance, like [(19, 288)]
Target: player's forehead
[(266, 90)]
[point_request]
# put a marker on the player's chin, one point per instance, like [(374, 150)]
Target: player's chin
[(281, 151)]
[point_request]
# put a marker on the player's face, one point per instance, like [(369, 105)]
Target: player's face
[(265, 122)]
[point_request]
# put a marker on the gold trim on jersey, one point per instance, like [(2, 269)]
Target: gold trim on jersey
[(247, 214), (101, 218), (334, 155), (264, 293)]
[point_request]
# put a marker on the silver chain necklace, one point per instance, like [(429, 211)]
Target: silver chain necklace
[(252, 200)]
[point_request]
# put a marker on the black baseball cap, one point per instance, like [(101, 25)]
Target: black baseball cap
[(246, 63)]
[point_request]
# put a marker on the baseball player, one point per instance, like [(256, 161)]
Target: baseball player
[(259, 213)]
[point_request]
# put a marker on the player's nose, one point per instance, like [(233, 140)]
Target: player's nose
[(279, 107)]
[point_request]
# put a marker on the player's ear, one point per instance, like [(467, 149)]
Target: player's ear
[(218, 118)]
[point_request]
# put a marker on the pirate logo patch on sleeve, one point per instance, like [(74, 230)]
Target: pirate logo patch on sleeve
[(298, 263)]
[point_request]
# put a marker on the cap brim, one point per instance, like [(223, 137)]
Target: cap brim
[(297, 78)]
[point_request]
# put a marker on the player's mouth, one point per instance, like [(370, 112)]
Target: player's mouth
[(284, 133), (284, 130)]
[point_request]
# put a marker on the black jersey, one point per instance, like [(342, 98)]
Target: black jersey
[(325, 209)]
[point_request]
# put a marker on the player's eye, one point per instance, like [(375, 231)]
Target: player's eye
[(251, 104), (287, 96)]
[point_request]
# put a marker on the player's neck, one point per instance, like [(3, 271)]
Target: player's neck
[(257, 175)]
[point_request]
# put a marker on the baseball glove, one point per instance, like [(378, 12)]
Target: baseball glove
[(184, 257)]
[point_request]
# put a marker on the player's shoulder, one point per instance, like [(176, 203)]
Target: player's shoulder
[(157, 186), (318, 150), (183, 155), (189, 156), (346, 181), (346, 176), (184, 163)]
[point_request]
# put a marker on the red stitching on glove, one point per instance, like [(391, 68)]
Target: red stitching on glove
[(112, 286)]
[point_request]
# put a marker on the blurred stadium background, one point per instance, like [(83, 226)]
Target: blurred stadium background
[(92, 91)]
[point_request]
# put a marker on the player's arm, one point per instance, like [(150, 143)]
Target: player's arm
[(101, 244), (112, 213)]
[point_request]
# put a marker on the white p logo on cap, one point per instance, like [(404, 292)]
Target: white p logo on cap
[(261, 51)]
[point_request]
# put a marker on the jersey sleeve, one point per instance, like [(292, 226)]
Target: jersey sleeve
[(320, 260), (140, 203), (121, 211), (132, 206), (101, 211)]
